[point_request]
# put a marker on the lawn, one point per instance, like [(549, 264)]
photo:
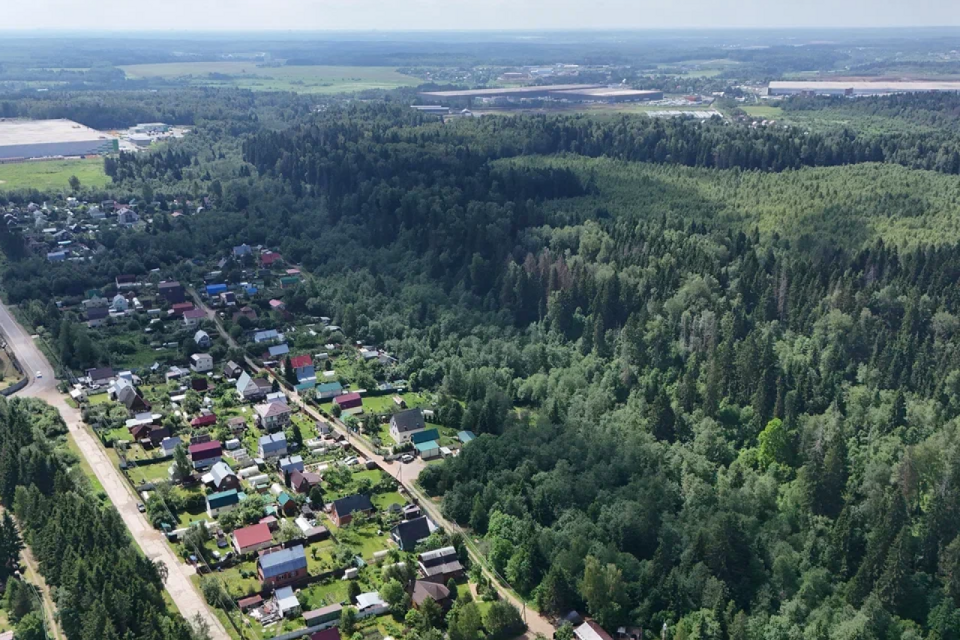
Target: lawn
[(323, 593), (52, 174), (763, 111), (320, 557), (155, 472), (383, 500), (85, 467), (362, 539), (184, 518), (98, 398), (236, 583), (301, 79)]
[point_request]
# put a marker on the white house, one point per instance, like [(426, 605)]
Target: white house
[(119, 303), (202, 339), (201, 362)]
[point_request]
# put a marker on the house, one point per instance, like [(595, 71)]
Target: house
[(237, 426), (282, 567), (272, 446), (439, 593), (192, 317), (405, 424), (287, 602), (232, 370), (101, 376), (425, 436), (329, 390), (302, 482), (222, 477), (371, 604), (127, 217), (246, 312), (325, 615), (204, 420), (242, 250), (205, 454), (252, 538), (222, 502), (409, 533), (252, 388), (119, 304), (126, 281), (440, 565), (343, 510), (303, 366), (123, 391), (306, 385), (214, 290), (273, 416), (57, 256), (287, 282), (349, 401), (411, 511), (288, 505), (171, 291), (199, 384), (169, 445), (202, 339), (181, 307), (290, 464), (590, 630), (279, 350), (277, 305), (228, 298), (269, 258), (97, 316), (466, 436), (201, 362), (270, 335), (428, 450), (152, 433), (277, 396), (246, 604)]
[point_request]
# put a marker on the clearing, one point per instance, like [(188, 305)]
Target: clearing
[(52, 174), (301, 79)]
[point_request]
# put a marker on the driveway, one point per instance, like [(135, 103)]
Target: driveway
[(151, 541)]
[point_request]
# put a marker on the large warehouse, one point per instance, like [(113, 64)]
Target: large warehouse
[(607, 94), (570, 92), (49, 138), (857, 87)]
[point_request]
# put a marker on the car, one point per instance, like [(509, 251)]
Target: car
[(39, 374), (406, 458), (141, 507)]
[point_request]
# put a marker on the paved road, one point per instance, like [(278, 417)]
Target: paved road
[(178, 584)]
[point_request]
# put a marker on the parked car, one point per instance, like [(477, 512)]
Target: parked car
[(406, 458), (141, 507), (39, 374)]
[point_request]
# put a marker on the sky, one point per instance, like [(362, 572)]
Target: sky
[(391, 15)]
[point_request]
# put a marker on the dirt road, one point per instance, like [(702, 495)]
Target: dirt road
[(181, 589)]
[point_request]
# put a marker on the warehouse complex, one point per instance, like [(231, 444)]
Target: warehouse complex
[(26, 139), (570, 92), (857, 87)]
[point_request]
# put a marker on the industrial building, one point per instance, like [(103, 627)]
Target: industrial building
[(607, 94), (25, 139), (856, 87)]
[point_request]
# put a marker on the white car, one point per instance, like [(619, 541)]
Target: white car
[(39, 374), (407, 458)]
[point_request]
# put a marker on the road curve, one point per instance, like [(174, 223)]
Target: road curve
[(178, 585)]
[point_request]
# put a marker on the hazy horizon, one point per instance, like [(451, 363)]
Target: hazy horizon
[(199, 16)]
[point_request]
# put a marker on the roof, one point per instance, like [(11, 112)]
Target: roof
[(204, 421), (223, 498), (220, 472), (269, 334), (370, 599), (430, 445), (466, 436), (411, 532), (279, 350), (590, 630), (298, 362), (286, 599), (425, 436), (100, 374), (169, 444), (291, 460), (170, 284), (190, 314), (865, 85), (326, 387), (283, 561), (423, 590), (202, 448), (273, 442), (272, 409), (350, 504), (479, 93), (22, 132), (348, 397), (253, 535), (438, 555), (409, 420)]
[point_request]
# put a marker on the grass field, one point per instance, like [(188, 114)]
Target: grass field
[(762, 111), (52, 174), (301, 79)]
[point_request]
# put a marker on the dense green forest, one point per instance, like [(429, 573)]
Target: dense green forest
[(715, 369), (103, 586)]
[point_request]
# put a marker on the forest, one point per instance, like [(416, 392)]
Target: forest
[(103, 586), (715, 370)]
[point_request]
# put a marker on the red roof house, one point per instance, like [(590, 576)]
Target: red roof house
[(301, 361), (252, 538), (206, 420), (205, 453), (349, 400), (269, 257), (181, 307), (331, 633)]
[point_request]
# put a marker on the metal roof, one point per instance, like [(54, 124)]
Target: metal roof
[(283, 561), (17, 132)]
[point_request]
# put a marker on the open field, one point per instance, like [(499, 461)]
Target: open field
[(52, 174), (301, 79)]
